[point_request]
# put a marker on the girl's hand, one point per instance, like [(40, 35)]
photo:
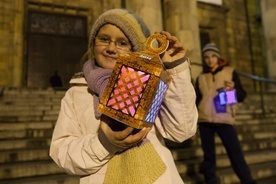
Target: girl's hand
[(124, 138), (175, 49), (229, 85)]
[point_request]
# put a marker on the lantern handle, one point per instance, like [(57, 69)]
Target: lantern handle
[(161, 39)]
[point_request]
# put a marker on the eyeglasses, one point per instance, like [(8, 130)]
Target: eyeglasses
[(120, 44)]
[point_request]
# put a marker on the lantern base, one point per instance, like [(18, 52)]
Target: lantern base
[(118, 126)]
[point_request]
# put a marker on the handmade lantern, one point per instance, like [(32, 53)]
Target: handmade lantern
[(137, 86), (227, 97)]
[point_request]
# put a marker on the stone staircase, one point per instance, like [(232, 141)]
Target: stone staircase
[(28, 116), (256, 131), (27, 119)]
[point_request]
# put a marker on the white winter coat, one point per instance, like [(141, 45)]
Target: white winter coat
[(75, 146)]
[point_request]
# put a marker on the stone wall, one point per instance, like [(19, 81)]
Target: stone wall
[(268, 10), (235, 27), (11, 39)]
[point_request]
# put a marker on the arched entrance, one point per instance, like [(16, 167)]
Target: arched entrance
[(55, 42)]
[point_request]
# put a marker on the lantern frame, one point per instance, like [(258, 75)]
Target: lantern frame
[(133, 68)]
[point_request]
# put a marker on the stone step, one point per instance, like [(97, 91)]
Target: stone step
[(17, 130), (28, 107), (192, 164), (27, 129), (26, 133), (34, 138), (15, 155), (28, 95), (189, 152), (25, 125), (266, 126), (18, 98), (258, 171), (255, 98), (28, 169), (23, 113), (31, 112), (45, 179), (267, 180), (258, 117), (263, 173), (29, 149), (31, 103), (29, 143), (29, 118), (50, 104), (255, 160), (257, 140)]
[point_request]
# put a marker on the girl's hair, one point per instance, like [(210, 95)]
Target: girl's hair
[(128, 22)]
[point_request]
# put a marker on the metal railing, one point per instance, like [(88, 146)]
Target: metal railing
[(261, 81)]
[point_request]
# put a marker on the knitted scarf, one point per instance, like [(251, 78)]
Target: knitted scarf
[(139, 164), (97, 79)]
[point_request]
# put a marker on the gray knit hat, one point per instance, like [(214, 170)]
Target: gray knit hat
[(211, 48), (128, 22)]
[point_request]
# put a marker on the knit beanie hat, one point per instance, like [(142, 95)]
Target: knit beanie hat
[(128, 22), (210, 48)]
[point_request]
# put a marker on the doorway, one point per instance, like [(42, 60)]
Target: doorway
[(55, 42)]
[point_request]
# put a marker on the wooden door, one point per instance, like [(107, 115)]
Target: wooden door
[(55, 43)]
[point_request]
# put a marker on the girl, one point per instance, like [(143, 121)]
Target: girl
[(217, 117), (84, 144)]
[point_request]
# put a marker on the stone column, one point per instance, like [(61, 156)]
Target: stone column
[(11, 49), (269, 19), (18, 43), (149, 10), (180, 19)]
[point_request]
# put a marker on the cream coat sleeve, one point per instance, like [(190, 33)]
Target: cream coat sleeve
[(75, 146), (178, 113)]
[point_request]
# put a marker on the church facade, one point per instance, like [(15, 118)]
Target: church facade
[(41, 37)]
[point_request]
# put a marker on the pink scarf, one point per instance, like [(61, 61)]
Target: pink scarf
[(97, 79)]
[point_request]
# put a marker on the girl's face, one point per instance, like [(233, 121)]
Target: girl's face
[(211, 61), (110, 42)]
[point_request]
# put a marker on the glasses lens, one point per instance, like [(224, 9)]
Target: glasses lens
[(121, 44), (102, 41)]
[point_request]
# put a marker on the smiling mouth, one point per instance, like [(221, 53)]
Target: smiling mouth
[(110, 57)]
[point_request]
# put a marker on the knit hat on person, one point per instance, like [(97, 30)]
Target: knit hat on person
[(128, 22), (211, 48)]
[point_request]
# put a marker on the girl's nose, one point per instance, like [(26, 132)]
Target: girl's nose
[(111, 46)]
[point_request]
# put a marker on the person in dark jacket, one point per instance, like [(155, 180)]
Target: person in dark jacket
[(216, 107), (55, 80)]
